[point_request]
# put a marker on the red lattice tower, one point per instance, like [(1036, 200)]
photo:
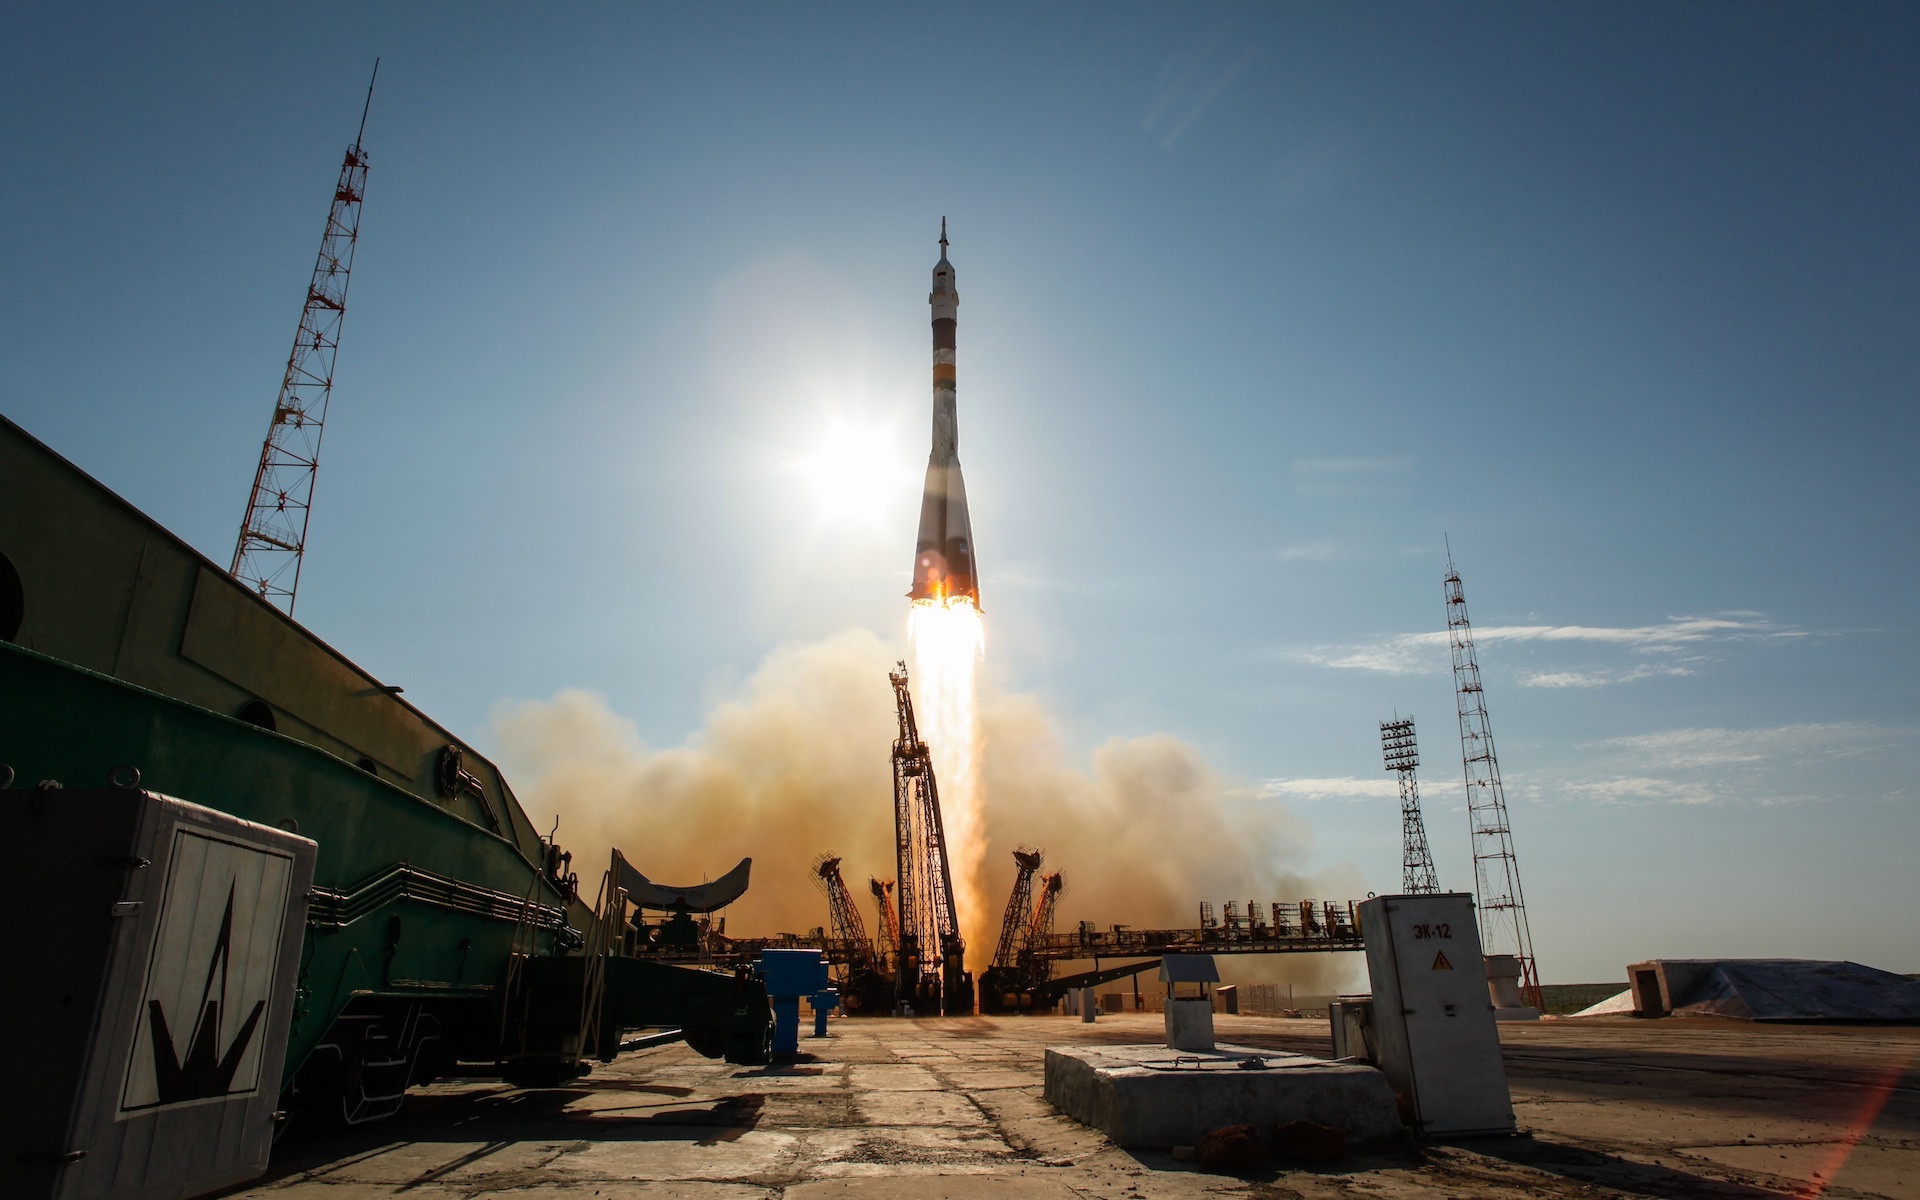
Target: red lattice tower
[(273, 536), (1496, 872)]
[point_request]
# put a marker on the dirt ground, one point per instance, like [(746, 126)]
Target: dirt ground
[(931, 1109)]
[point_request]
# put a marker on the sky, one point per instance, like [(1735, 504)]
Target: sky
[(1262, 307)]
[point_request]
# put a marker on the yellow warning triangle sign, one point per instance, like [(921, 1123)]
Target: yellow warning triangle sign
[(1440, 962)]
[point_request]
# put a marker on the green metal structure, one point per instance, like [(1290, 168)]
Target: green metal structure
[(441, 928)]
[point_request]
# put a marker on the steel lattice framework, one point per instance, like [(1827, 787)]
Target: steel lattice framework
[(1496, 871), (887, 933), (273, 535), (843, 918), (931, 972), (1402, 753), (864, 986), (1040, 928), (1013, 926)]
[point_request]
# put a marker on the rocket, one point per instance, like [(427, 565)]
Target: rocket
[(943, 566)]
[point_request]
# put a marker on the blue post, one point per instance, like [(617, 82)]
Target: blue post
[(824, 1002), (786, 1024)]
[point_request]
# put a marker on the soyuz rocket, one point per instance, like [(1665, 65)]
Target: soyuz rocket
[(943, 566)]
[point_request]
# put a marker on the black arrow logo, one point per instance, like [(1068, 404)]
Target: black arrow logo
[(206, 1072)]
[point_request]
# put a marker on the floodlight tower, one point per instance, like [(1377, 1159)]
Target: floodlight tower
[(1496, 872), (1402, 754), (273, 535)]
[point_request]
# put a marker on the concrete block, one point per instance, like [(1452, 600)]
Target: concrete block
[(1189, 1022), (1150, 1097)]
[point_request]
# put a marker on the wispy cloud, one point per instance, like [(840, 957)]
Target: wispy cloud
[(1352, 476), (1317, 165), (1193, 85), (1417, 653), (1645, 789), (1781, 764), (1315, 552), (1340, 788), (1694, 749), (1594, 679)]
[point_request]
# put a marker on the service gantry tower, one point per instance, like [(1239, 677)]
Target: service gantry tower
[(864, 987), (1496, 872), (1402, 754), (273, 535), (931, 972)]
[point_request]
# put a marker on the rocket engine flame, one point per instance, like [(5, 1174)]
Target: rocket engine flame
[(949, 640)]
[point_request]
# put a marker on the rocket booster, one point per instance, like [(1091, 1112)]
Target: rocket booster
[(943, 566)]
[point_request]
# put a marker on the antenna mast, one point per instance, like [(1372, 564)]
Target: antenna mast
[(1496, 872), (1402, 754), (273, 535)]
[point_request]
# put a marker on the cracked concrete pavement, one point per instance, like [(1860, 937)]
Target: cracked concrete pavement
[(1615, 1108)]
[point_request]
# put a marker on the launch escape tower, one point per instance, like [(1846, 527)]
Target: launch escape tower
[(273, 535), (938, 981), (1496, 872), (1402, 754)]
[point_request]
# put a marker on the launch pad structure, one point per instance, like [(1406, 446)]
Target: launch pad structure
[(930, 971), (861, 969), (915, 963)]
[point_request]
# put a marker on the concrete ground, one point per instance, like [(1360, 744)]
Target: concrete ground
[(1615, 1107)]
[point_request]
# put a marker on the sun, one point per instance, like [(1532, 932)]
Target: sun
[(855, 473)]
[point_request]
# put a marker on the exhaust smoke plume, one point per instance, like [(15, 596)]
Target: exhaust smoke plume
[(796, 762), (948, 641)]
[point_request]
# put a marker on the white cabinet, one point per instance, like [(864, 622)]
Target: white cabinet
[(1433, 1023)]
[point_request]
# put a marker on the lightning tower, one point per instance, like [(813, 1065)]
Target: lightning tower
[(1402, 753), (273, 536), (1496, 872)]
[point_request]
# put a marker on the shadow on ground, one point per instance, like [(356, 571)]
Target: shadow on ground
[(1608, 1170)]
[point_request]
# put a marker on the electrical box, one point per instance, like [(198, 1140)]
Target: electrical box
[(150, 1010), (1432, 1023), (1351, 1018), (1188, 1018)]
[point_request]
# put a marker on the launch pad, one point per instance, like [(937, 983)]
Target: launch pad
[(1150, 1097), (952, 1107)]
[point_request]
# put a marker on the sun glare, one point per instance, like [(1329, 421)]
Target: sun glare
[(853, 473)]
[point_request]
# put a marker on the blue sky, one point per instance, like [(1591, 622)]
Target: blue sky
[(1258, 303)]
